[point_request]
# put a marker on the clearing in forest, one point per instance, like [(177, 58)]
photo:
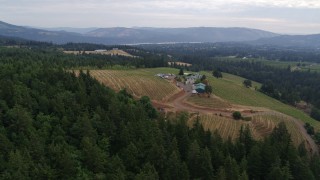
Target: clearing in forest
[(113, 52), (215, 113)]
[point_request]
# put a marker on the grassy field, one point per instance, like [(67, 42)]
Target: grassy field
[(212, 102), (142, 82), (230, 88), (260, 125), (239, 80)]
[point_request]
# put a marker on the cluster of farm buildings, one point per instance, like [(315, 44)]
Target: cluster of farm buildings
[(166, 76), (190, 80)]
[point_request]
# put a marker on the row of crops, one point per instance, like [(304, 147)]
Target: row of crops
[(260, 125), (137, 82)]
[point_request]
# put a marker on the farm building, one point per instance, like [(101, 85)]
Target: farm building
[(100, 50), (200, 87), (195, 76), (165, 76), (191, 78), (190, 81)]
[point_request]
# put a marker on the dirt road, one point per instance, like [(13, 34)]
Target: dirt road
[(178, 103)]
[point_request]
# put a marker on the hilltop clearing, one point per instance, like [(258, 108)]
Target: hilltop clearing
[(261, 112)]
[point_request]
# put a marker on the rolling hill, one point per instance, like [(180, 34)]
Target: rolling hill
[(119, 35), (39, 34), (229, 95), (141, 35), (193, 34)]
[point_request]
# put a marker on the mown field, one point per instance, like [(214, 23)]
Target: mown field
[(260, 125), (142, 82)]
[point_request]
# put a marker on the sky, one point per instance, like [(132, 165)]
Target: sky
[(280, 16)]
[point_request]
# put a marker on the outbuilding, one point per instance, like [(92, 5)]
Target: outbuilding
[(200, 87)]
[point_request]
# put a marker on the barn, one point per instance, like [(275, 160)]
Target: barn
[(200, 87)]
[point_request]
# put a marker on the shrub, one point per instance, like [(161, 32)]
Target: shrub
[(309, 128), (237, 115), (247, 83)]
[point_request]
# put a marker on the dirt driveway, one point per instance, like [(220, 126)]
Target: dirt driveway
[(178, 103)]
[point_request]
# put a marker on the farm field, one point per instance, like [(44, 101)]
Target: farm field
[(109, 52), (142, 82), (225, 126), (260, 125), (212, 102), (228, 93), (230, 88), (305, 66), (264, 124)]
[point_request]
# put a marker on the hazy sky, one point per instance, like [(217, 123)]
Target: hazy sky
[(282, 16)]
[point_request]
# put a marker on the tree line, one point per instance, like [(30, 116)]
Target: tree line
[(239, 50)]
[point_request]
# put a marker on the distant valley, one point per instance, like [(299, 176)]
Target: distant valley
[(139, 35)]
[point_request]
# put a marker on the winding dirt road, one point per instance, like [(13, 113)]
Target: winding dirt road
[(178, 103)]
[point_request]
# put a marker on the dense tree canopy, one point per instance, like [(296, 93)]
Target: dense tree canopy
[(56, 125)]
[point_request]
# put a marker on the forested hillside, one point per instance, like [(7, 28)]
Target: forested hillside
[(55, 125)]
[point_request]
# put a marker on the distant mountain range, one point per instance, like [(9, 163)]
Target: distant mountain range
[(137, 35), (193, 34), (70, 29)]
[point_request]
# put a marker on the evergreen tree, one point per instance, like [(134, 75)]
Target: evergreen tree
[(231, 168), (181, 72), (279, 173), (254, 163), (147, 172)]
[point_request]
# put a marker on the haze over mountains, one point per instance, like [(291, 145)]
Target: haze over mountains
[(137, 35)]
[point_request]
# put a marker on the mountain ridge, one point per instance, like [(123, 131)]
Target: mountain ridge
[(122, 35), (141, 35), (190, 34)]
